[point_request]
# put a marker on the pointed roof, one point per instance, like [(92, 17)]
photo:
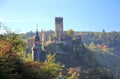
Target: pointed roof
[(37, 38)]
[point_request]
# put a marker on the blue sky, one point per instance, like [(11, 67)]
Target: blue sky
[(79, 15)]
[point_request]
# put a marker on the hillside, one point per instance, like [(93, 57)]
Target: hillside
[(103, 48), (106, 45), (83, 59)]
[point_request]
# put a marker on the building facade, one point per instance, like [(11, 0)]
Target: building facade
[(36, 49)]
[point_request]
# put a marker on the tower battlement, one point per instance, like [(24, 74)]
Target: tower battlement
[(58, 24)]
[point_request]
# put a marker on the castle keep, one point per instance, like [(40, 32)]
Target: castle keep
[(58, 26)]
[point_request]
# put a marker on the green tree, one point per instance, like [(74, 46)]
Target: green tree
[(51, 67), (92, 46), (70, 32), (51, 37)]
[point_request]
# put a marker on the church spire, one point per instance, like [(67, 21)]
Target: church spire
[(37, 29), (36, 49), (37, 38)]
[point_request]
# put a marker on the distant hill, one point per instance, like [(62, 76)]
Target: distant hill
[(111, 39)]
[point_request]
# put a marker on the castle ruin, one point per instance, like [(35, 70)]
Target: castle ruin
[(58, 27), (59, 36)]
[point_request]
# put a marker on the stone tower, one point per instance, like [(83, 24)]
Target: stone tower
[(36, 49), (58, 26)]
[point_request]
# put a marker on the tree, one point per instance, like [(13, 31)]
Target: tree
[(51, 67), (13, 67), (74, 73), (17, 44), (10, 63), (4, 47), (70, 32), (51, 37), (92, 46)]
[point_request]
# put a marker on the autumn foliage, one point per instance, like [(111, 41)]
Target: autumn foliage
[(12, 66), (4, 47)]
